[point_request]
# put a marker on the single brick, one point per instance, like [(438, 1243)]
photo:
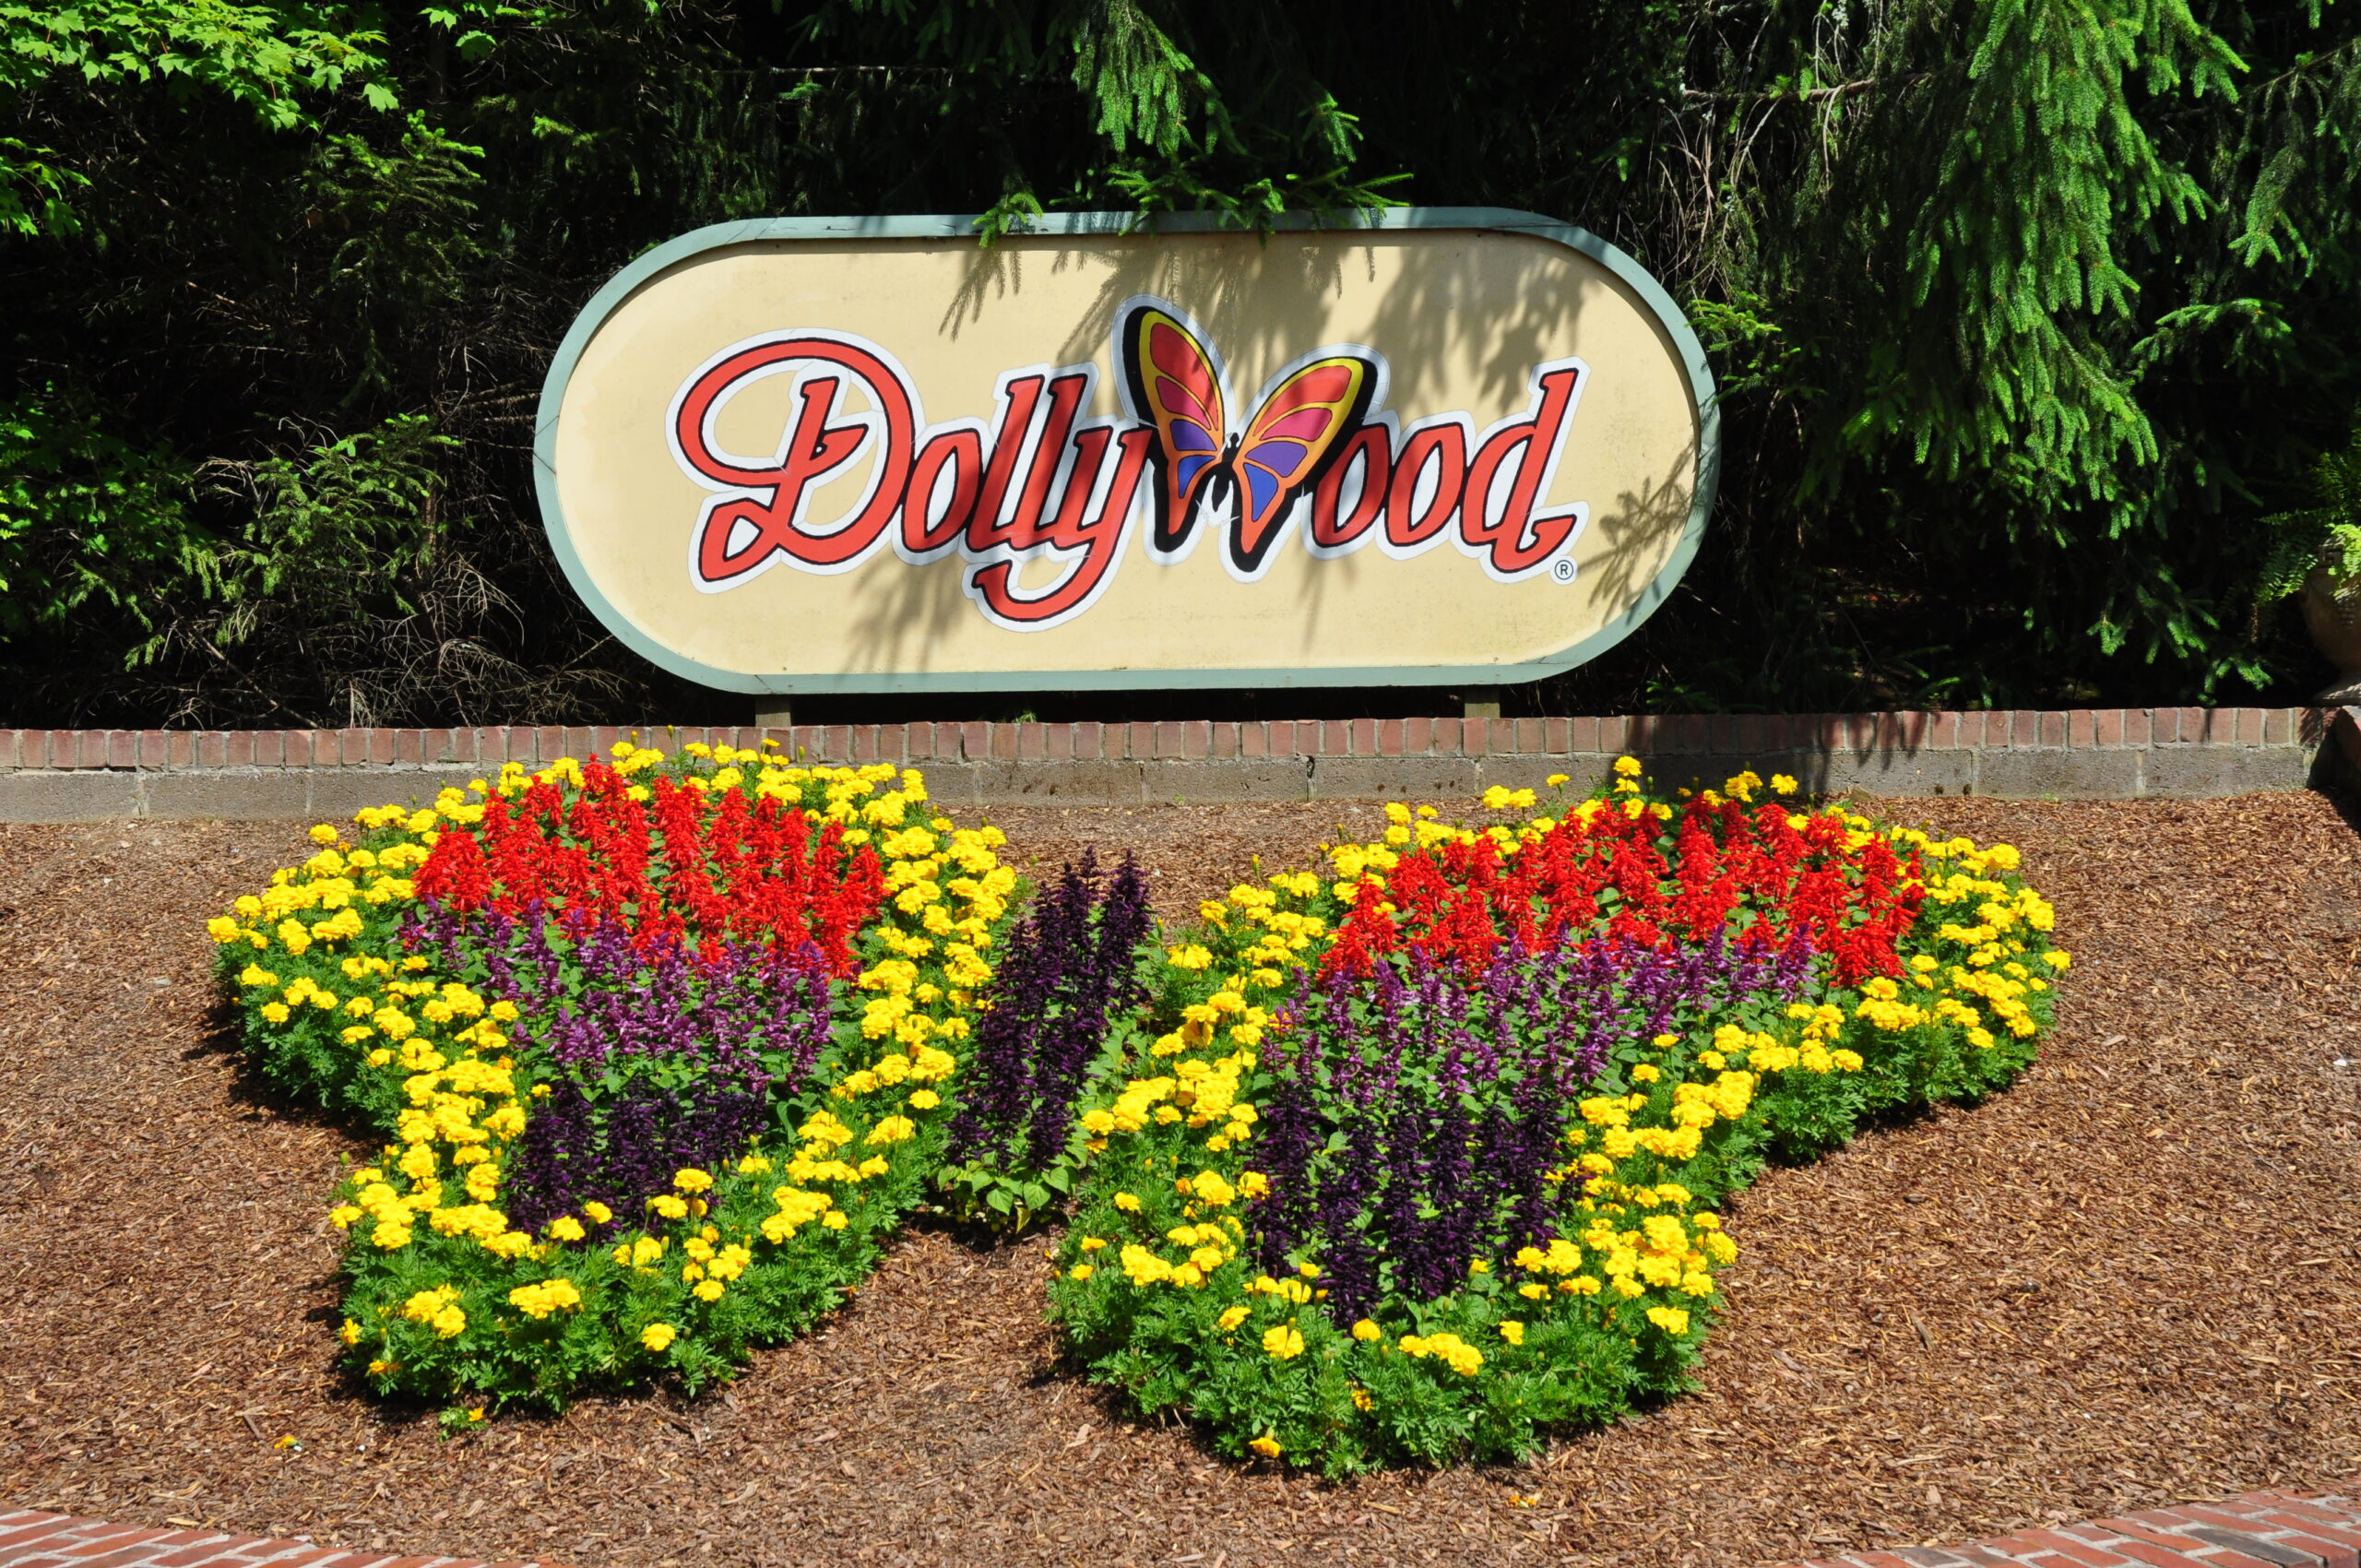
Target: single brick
[(20, 1529), (2278, 1551), (2206, 1514), (1336, 737), (2154, 1529), (140, 1549), (2342, 1529), (2336, 1548), (207, 1551), (2073, 1550), (1167, 740), (1449, 736), (1984, 1557), (1223, 739), (1360, 738)]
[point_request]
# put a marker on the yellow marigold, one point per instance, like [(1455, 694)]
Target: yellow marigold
[(1283, 1343), (659, 1337), (893, 1129)]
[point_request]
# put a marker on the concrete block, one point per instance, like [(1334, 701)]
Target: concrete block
[(952, 785), (336, 796), (1707, 770), (1437, 779), (1583, 773), (249, 795), (2212, 772), (1898, 772), (69, 797), (2031, 773), (1063, 783), (1246, 778)]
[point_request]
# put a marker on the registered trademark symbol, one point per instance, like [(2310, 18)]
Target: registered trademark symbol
[(1564, 570)]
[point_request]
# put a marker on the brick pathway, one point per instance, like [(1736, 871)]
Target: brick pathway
[(2262, 1529), (29, 1539)]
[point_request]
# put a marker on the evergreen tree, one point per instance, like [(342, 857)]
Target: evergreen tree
[(2026, 311)]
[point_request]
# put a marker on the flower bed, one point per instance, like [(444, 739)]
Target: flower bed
[(659, 1046), (1416, 1159), (1412, 1159)]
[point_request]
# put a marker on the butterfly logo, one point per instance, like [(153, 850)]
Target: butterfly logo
[(1176, 387)]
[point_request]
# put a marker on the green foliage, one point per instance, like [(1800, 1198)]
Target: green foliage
[(327, 534), (85, 514), (264, 58), (2027, 313), (2327, 533)]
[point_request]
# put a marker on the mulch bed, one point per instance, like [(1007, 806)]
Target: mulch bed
[(2130, 1279)]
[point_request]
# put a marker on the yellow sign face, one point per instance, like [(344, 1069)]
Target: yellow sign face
[(846, 455)]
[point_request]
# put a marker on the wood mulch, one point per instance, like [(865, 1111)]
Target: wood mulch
[(2131, 1279)]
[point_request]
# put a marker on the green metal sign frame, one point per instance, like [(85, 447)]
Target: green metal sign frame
[(1497, 220)]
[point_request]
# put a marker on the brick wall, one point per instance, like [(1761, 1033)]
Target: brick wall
[(1190, 740), (59, 774)]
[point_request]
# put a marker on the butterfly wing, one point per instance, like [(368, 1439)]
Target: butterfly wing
[(1176, 387), (1306, 418)]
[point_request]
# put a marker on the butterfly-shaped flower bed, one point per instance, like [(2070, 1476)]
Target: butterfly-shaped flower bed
[(660, 1047), (1413, 1159), (1416, 1159)]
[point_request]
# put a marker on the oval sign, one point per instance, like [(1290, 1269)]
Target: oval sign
[(867, 455)]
